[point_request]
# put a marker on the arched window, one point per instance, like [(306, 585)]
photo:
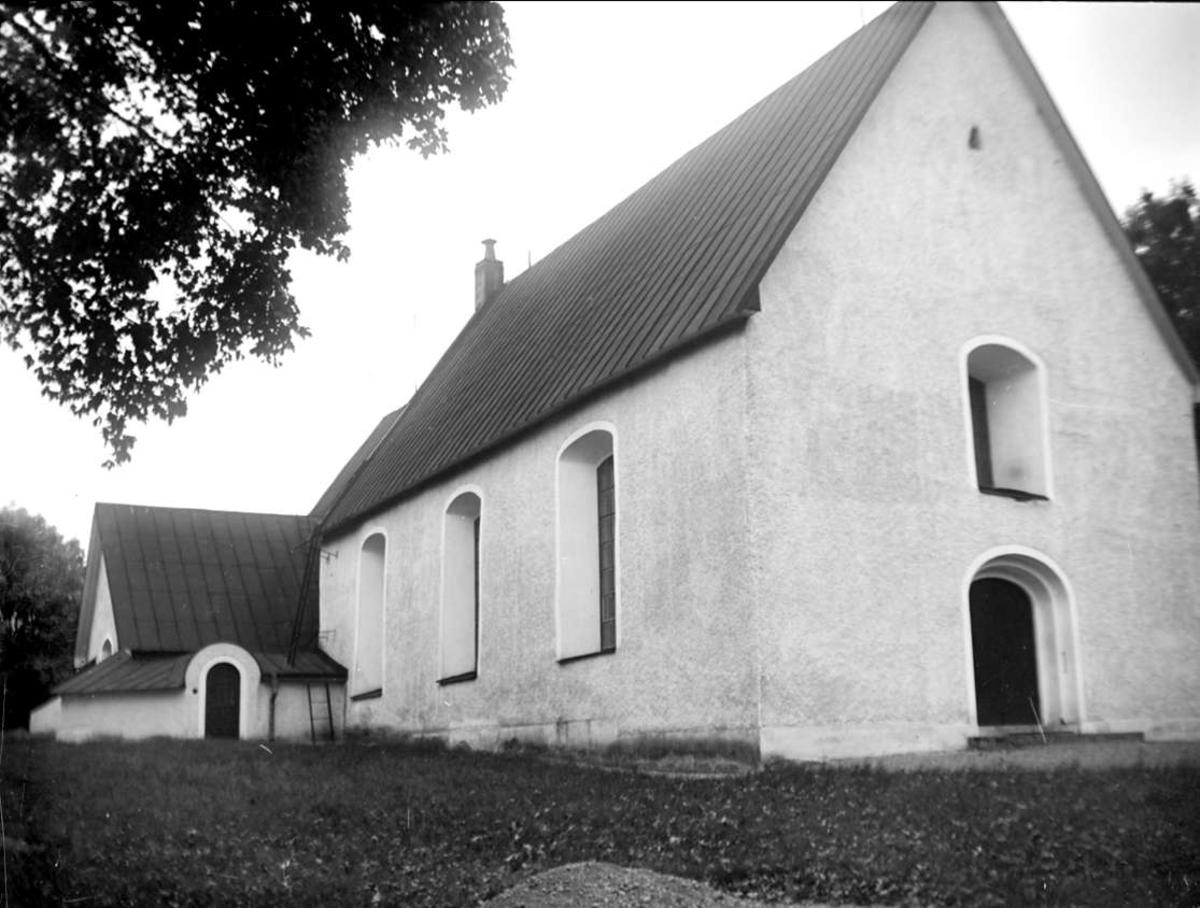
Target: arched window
[(587, 547), (368, 634), (106, 649), (1008, 434), (460, 589)]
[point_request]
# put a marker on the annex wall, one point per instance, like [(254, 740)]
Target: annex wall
[(952, 215), (144, 714), (684, 659), (292, 721)]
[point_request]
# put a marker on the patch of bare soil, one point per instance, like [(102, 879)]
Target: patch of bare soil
[(593, 884)]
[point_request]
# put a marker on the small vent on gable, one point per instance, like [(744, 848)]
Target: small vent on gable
[(974, 140)]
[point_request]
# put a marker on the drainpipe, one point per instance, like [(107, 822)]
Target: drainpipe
[(274, 694)]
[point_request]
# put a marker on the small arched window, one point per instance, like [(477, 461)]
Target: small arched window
[(587, 547), (460, 589), (1008, 437), (368, 635), (106, 650)]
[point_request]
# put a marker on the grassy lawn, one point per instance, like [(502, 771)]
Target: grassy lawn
[(199, 823)]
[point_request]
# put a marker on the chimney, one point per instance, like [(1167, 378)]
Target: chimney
[(489, 276)]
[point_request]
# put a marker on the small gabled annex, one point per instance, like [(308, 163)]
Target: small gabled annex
[(187, 620), (809, 447)]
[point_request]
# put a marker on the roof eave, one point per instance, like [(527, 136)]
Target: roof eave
[(734, 321)]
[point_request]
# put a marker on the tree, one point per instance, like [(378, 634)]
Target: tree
[(41, 583), (1165, 233), (161, 158)]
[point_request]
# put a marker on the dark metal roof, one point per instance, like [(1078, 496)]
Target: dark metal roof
[(125, 672), (314, 665), (674, 262), (343, 479), (183, 578)]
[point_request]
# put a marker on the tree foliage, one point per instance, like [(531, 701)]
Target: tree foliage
[(41, 583), (159, 159), (1165, 233)]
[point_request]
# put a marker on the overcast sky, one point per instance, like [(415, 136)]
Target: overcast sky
[(603, 97)]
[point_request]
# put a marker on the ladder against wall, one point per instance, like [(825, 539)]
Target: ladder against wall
[(320, 712)]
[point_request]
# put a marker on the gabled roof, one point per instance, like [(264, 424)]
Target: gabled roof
[(674, 263), (183, 578)]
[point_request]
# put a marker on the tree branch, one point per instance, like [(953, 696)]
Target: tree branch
[(63, 69)]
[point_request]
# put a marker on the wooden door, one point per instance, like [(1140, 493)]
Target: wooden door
[(1002, 640), (222, 701)]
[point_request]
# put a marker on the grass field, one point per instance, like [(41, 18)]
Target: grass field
[(206, 823)]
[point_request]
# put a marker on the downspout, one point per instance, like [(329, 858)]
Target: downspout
[(274, 694)]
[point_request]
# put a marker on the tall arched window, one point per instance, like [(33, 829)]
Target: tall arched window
[(460, 589), (587, 547), (1008, 424), (368, 634)]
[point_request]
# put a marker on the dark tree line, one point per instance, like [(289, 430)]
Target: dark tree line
[(1165, 234), (41, 585)]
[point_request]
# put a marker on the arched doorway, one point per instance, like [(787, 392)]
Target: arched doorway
[(222, 701), (1022, 652), (1004, 655)]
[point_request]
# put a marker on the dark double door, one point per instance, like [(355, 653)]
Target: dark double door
[(222, 701), (1004, 648)]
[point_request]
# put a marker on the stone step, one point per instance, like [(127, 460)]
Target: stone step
[(1015, 739)]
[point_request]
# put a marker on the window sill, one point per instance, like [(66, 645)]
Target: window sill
[(581, 656), (368, 695), (458, 679), (1015, 494)]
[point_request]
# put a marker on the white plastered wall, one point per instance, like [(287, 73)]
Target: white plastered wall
[(104, 625), (684, 659), (144, 714), (865, 514)]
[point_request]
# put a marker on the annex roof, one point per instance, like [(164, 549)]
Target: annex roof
[(182, 578), (674, 263), (126, 672)]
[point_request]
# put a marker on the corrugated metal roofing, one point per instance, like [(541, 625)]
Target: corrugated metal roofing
[(125, 672), (183, 578), (674, 262)]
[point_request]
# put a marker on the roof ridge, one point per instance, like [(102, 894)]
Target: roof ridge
[(670, 263), (164, 507)]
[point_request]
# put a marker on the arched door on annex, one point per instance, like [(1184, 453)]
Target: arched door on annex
[(1022, 646), (222, 701)]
